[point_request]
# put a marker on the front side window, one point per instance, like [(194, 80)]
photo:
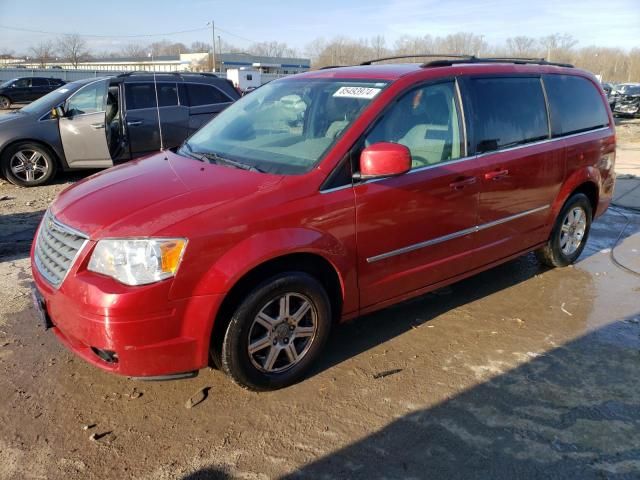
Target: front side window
[(286, 126), (575, 105), (507, 112), (89, 99), (22, 83), (426, 121), (143, 95)]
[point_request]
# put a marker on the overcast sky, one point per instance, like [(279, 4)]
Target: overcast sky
[(612, 23)]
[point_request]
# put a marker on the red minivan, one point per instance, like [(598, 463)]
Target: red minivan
[(318, 198)]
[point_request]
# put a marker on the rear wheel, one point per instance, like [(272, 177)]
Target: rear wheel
[(27, 164), (4, 102), (569, 234), (277, 332)]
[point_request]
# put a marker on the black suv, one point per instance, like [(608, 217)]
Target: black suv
[(99, 122), (26, 89)]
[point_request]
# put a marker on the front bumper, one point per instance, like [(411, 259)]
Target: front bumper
[(627, 109), (144, 332)]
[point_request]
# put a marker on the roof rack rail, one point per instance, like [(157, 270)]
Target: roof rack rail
[(332, 66), (176, 74), (146, 72), (515, 60), (422, 55)]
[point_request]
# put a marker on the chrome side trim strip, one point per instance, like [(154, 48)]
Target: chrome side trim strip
[(451, 236)]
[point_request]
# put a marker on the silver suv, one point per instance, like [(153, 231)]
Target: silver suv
[(100, 122)]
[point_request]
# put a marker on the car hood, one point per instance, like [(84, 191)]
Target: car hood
[(149, 195), (14, 118)]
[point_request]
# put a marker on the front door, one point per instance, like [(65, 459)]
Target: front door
[(21, 89), (417, 229), (82, 129)]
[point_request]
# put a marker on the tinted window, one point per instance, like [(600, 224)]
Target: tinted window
[(89, 99), (425, 120), (40, 82), (575, 105), (200, 94), (507, 112), (22, 83), (143, 95)]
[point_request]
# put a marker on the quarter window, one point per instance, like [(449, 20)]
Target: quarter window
[(143, 95), (507, 112), (200, 94), (426, 121), (575, 105)]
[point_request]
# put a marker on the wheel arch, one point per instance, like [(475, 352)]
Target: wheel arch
[(585, 181), (311, 263), (60, 161)]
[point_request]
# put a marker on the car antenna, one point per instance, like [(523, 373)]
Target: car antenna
[(155, 86)]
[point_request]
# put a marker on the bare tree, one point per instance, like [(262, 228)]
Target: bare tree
[(73, 48), (200, 47), (557, 47), (521, 46), (272, 49), (43, 52), (135, 50)]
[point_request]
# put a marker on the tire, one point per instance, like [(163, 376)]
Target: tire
[(28, 164), (570, 233), (5, 102), (272, 364)]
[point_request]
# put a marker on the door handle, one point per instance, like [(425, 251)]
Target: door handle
[(135, 123), (462, 182), (97, 126), (496, 174)]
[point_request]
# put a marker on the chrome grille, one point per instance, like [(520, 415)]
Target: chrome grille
[(57, 247)]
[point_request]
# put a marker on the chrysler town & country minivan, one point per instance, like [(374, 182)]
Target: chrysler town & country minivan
[(318, 198)]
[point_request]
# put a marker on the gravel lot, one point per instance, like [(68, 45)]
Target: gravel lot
[(519, 372)]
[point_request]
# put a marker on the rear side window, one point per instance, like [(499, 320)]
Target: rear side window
[(507, 112), (143, 95), (575, 105), (201, 94), (40, 82)]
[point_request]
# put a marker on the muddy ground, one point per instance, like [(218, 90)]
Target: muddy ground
[(519, 372)]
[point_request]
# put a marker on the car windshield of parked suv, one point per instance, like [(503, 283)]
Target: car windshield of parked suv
[(50, 100), (8, 83), (284, 127)]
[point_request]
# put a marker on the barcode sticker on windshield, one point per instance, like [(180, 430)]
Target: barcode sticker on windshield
[(357, 92)]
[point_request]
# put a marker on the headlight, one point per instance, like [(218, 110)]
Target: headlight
[(138, 261)]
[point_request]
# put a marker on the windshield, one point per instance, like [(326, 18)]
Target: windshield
[(50, 100), (8, 83), (630, 89), (284, 127)]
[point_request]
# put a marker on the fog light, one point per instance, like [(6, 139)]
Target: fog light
[(108, 356)]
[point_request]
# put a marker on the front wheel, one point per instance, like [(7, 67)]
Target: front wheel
[(27, 164), (569, 234), (277, 332)]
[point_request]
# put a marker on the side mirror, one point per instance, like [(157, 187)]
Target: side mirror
[(384, 159), (57, 112)]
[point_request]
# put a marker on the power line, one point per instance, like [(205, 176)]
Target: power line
[(29, 30)]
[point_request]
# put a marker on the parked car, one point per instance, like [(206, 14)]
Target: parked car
[(26, 89), (247, 244), (96, 123), (628, 100)]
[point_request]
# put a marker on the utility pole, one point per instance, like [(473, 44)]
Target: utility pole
[(213, 46), (220, 52)]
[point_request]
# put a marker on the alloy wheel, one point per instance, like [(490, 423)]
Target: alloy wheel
[(4, 103), (282, 332), (29, 165), (572, 231)]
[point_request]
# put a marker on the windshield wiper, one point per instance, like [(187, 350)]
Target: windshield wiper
[(219, 159)]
